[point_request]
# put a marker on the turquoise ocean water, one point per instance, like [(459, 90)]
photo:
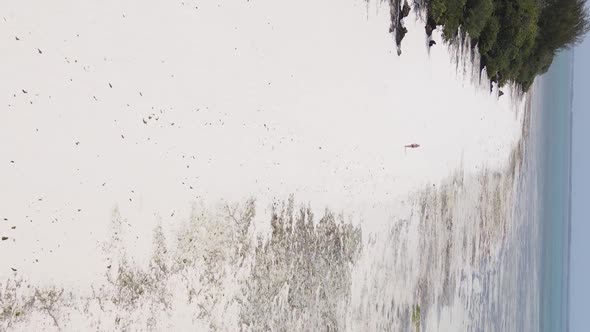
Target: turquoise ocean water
[(554, 143)]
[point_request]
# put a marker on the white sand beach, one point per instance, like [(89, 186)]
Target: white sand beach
[(151, 108)]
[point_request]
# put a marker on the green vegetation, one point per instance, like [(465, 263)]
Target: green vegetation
[(517, 39), (416, 316)]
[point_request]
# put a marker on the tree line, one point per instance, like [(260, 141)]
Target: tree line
[(517, 39)]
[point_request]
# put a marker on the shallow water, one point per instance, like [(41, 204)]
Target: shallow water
[(555, 186)]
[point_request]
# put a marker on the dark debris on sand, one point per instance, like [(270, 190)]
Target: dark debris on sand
[(397, 13)]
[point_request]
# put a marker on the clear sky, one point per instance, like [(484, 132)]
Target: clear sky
[(580, 244)]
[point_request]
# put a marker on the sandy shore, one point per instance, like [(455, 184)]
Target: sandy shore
[(150, 108)]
